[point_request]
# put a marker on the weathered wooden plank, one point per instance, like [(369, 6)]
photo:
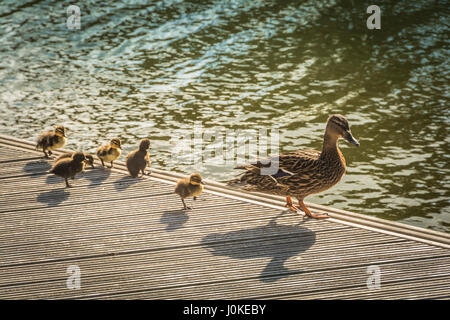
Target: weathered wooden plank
[(224, 285), (8, 154), (426, 288), (43, 182), (194, 257), (115, 243)]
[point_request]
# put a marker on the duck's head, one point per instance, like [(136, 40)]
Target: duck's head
[(144, 144), (115, 143), (337, 127), (60, 131), (89, 159), (195, 179), (78, 157)]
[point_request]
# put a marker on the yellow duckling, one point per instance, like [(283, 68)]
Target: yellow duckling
[(303, 172), (88, 161), (138, 160), (69, 167), (51, 140), (189, 187), (110, 152)]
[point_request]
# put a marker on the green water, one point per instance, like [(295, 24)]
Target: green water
[(154, 68)]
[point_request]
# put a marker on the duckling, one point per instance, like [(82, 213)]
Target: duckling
[(302, 172), (189, 187), (69, 167), (110, 152), (51, 140), (89, 158), (138, 159)]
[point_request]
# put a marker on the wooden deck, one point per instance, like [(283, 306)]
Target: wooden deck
[(131, 241)]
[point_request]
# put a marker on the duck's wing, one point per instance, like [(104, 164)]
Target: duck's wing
[(276, 174), (103, 150), (44, 139), (286, 164), (61, 167)]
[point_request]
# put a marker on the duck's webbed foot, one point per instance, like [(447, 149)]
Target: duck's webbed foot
[(308, 213)]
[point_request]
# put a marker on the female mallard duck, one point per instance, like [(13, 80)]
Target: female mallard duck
[(69, 167), (88, 161), (138, 160), (110, 152), (51, 140), (189, 187), (303, 172)]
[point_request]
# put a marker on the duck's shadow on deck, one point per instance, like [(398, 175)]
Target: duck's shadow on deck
[(37, 168), (96, 176), (174, 219), (125, 182), (54, 197), (276, 241)]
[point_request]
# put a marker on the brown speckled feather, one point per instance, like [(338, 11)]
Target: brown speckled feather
[(310, 174)]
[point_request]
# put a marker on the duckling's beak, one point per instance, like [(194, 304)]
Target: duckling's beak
[(348, 136), (202, 182)]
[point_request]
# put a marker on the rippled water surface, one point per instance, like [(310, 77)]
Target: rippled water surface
[(154, 68)]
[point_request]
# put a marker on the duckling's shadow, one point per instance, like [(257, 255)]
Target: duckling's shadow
[(125, 182), (96, 176), (174, 219), (54, 197), (37, 168), (297, 240)]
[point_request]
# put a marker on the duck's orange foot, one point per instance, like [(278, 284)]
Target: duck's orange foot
[(316, 215), (308, 213)]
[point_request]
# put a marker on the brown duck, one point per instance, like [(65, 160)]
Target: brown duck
[(68, 167), (189, 187), (303, 172), (52, 140), (138, 160), (89, 158)]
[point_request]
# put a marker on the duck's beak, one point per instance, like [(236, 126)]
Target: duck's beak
[(348, 136)]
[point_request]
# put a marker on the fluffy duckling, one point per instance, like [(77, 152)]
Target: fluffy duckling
[(89, 158), (189, 187), (69, 167), (138, 160), (51, 140), (110, 152)]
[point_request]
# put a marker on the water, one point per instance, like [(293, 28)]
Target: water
[(154, 68)]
